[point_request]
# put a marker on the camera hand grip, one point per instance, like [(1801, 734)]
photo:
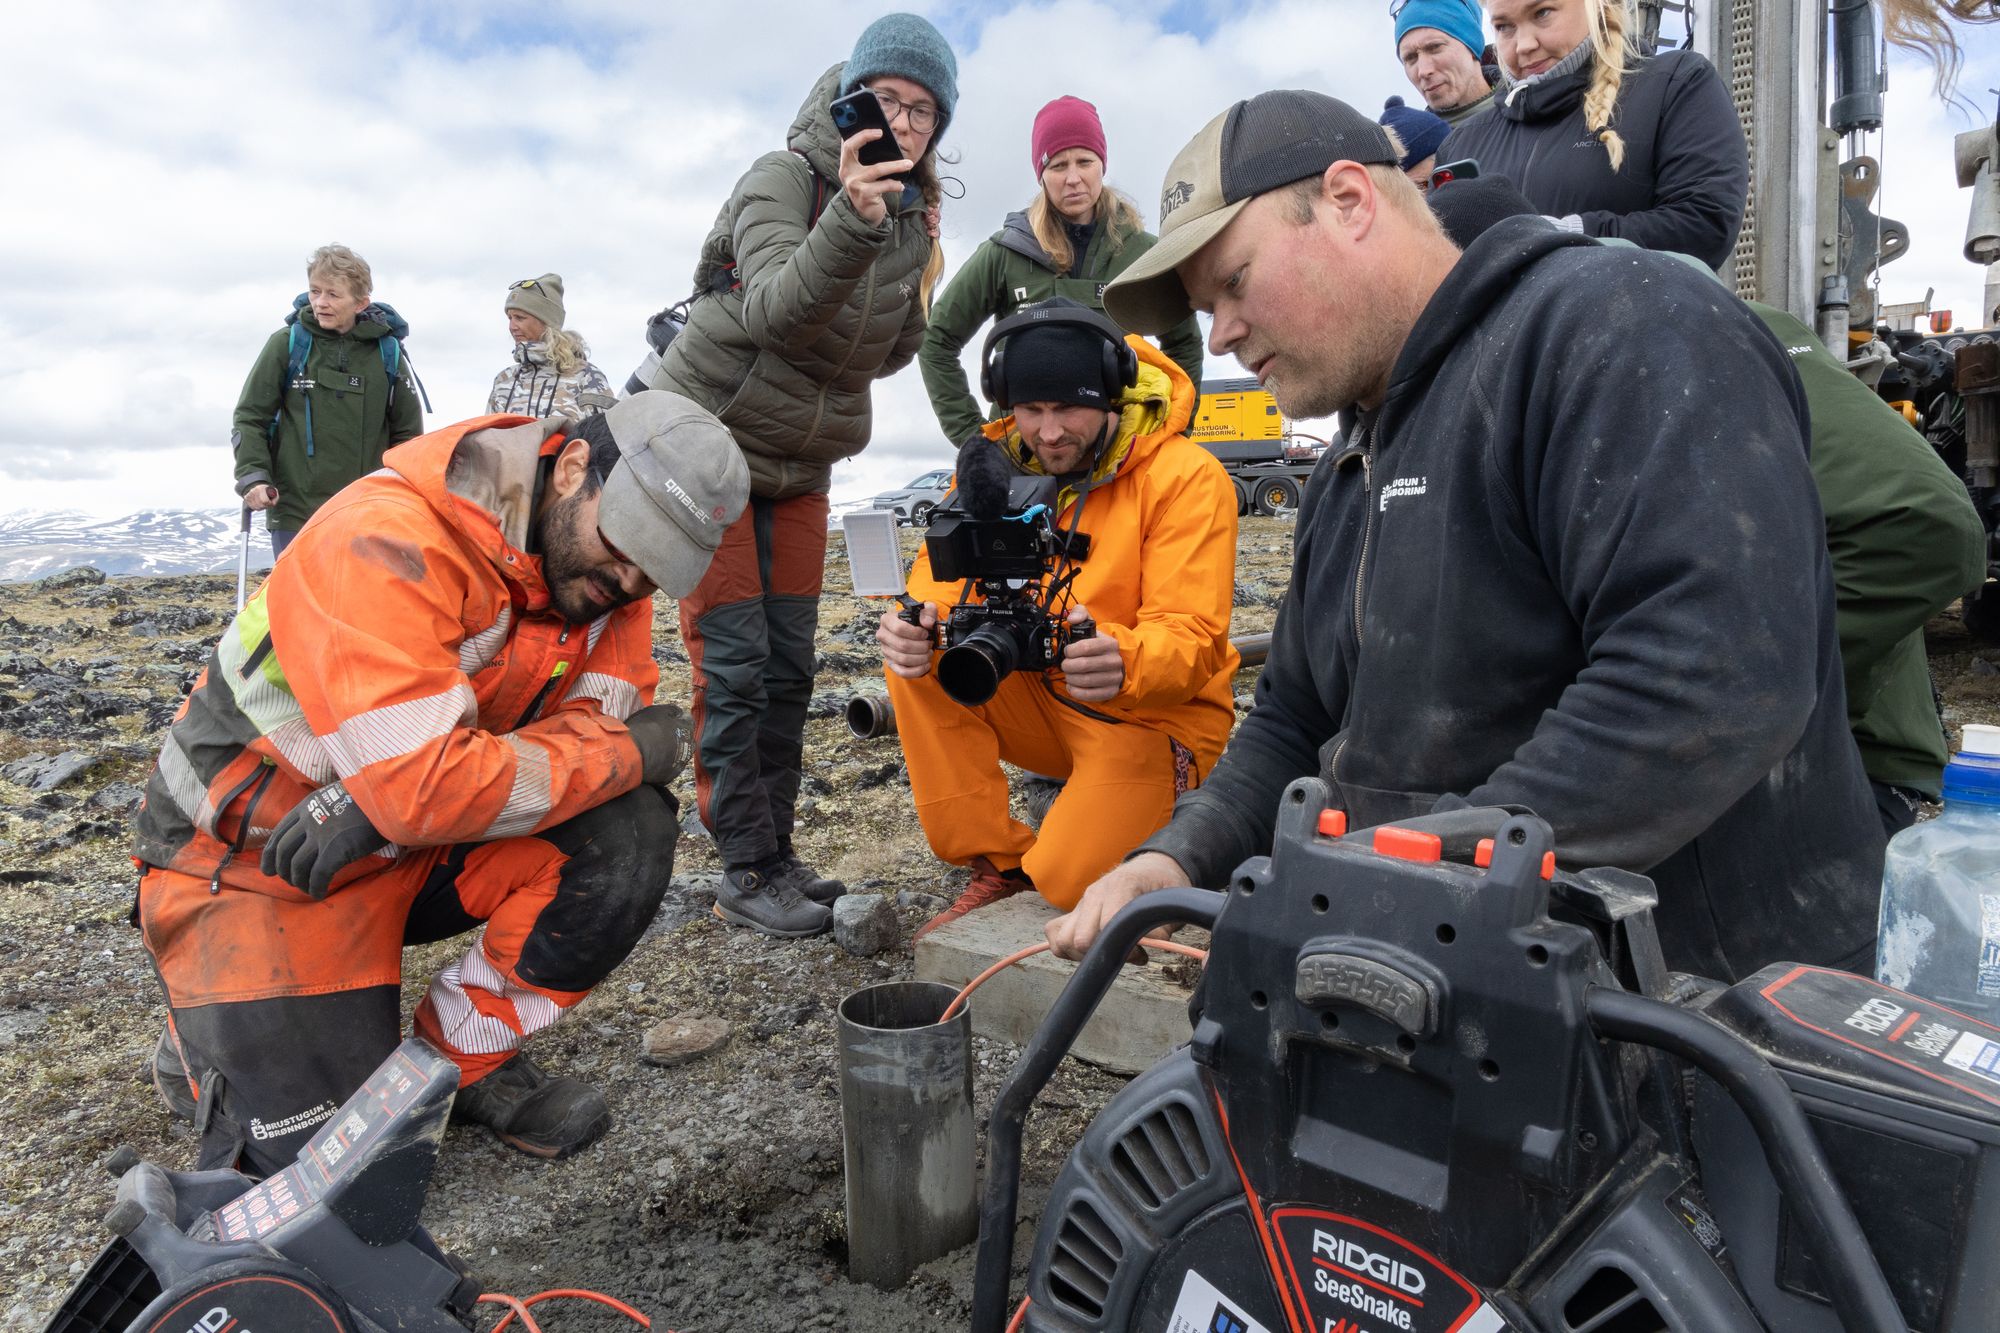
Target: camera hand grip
[(913, 613)]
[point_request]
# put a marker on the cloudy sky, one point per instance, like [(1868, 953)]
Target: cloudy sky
[(170, 167)]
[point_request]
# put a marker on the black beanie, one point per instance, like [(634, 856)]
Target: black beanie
[(1057, 363), (1467, 208)]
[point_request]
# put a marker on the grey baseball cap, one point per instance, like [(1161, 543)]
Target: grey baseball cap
[(1256, 146), (680, 482)]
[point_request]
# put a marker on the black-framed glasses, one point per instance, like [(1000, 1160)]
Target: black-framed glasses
[(923, 115), (525, 284)]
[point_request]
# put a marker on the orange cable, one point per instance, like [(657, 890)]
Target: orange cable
[(584, 1294), (519, 1306), (1020, 1317), (514, 1307), (958, 1001)]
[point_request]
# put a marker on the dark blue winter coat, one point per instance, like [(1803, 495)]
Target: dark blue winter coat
[(1686, 171)]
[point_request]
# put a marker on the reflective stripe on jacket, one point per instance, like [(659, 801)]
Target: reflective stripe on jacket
[(406, 645)]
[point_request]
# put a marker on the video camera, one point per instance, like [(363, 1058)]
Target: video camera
[(1020, 566)]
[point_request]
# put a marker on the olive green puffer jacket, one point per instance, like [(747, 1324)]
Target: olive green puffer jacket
[(786, 357)]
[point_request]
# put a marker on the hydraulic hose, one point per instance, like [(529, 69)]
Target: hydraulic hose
[(1860, 1294), (1045, 1050)]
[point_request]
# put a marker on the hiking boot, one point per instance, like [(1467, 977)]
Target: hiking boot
[(989, 885), (769, 902), (170, 1078), (1037, 795), (801, 877), (534, 1111)]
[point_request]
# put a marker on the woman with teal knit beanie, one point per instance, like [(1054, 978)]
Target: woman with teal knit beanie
[(814, 283)]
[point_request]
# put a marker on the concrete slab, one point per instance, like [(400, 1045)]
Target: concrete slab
[(1142, 1018)]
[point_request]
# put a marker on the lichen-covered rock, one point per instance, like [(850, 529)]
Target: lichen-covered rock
[(44, 772), (83, 576), (864, 924)]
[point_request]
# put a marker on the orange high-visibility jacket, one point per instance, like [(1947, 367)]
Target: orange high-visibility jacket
[(406, 645), (1160, 577)]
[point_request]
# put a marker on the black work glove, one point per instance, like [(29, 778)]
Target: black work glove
[(664, 734), (317, 838)]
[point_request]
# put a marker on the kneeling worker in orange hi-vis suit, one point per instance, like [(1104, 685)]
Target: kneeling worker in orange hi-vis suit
[(436, 713), (1138, 704)]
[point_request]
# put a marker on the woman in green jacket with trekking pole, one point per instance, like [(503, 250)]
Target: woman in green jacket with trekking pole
[(1073, 239)]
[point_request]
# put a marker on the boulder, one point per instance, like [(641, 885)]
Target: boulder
[(47, 772), (864, 924), (83, 576), (684, 1037)]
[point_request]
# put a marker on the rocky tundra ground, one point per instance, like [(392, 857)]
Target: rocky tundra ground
[(715, 1202)]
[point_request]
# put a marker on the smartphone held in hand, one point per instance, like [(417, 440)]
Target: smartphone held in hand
[(860, 111)]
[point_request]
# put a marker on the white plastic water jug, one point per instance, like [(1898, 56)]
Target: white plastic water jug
[(1939, 933)]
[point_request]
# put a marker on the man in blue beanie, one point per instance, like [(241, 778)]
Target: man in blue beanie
[(1418, 133), (1443, 50)]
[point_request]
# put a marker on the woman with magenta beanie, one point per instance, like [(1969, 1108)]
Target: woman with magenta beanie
[(1075, 237)]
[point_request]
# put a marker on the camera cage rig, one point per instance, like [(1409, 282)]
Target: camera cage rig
[(1020, 566)]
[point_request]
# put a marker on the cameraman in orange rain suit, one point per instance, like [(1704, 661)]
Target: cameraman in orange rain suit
[(1138, 711)]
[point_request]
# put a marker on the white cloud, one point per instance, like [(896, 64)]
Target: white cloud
[(172, 167)]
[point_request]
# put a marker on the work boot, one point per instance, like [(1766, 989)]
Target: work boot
[(808, 882), (170, 1077), (527, 1108), (989, 885), (769, 901)]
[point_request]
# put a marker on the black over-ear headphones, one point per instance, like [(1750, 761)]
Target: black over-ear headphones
[(1120, 365)]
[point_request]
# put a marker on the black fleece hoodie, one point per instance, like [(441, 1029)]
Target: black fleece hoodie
[(1686, 171), (1577, 564)]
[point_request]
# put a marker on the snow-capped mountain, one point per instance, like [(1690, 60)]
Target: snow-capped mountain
[(37, 543)]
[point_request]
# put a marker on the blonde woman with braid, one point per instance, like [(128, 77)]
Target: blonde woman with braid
[(1603, 142)]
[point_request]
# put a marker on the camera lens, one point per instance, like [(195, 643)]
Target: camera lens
[(971, 670)]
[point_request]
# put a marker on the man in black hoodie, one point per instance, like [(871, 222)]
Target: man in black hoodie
[(1571, 560)]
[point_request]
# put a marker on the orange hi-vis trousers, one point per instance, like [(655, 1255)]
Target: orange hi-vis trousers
[(283, 1006), (1120, 780)]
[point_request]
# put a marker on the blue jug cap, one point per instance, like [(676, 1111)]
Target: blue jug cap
[(1973, 775)]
